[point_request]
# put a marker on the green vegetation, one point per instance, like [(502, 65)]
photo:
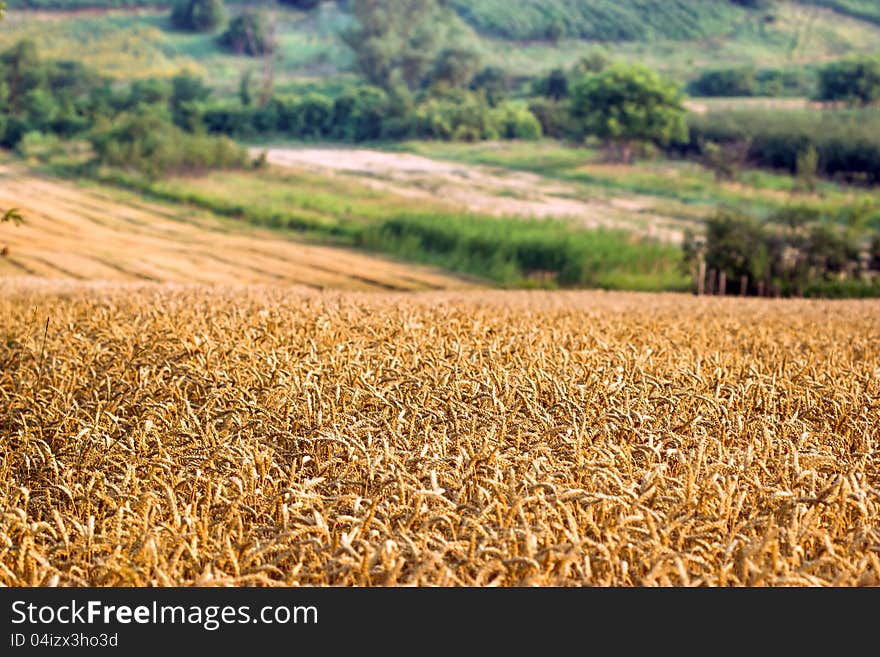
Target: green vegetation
[(405, 45), (847, 141), (144, 141), (749, 81), (517, 252), (855, 81), (601, 20), (42, 101), (249, 33), (510, 252), (868, 10), (796, 251), (309, 44), (198, 15), (627, 107)]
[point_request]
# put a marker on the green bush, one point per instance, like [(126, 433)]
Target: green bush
[(628, 105), (847, 142), (47, 97), (554, 118), (143, 141), (855, 81), (248, 34), (796, 251), (197, 15), (725, 82), (516, 121)]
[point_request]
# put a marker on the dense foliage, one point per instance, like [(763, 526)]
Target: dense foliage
[(139, 127), (796, 251), (854, 81), (249, 33), (847, 142), (628, 105), (198, 15), (748, 81), (405, 45)]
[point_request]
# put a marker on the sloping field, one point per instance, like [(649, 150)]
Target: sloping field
[(93, 233), (170, 434)]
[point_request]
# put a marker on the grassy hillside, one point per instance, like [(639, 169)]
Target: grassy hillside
[(678, 38), (868, 10), (139, 43), (600, 20)]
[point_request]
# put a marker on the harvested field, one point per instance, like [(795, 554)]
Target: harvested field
[(90, 233), (273, 435)]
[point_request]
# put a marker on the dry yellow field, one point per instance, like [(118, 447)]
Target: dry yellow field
[(267, 435), (90, 233)]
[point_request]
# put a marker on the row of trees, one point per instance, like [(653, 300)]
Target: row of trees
[(842, 144), (853, 81), (795, 252), (149, 125)]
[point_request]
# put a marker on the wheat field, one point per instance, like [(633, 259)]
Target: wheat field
[(170, 434), (90, 232)]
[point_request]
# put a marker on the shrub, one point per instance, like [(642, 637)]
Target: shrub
[(144, 142), (248, 34), (198, 15), (554, 118), (515, 121), (854, 81), (725, 82), (794, 251), (847, 142)]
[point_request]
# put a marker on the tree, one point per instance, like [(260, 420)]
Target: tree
[(595, 62), (454, 67), (493, 82), (853, 81), (198, 15), (187, 91), (248, 34), (627, 106), (397, 42), (555, 30)]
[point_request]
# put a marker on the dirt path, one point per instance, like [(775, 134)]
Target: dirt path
[(481, 189), (92, 233)]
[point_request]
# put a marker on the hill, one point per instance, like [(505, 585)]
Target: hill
[(602, 20), (680, 38)]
